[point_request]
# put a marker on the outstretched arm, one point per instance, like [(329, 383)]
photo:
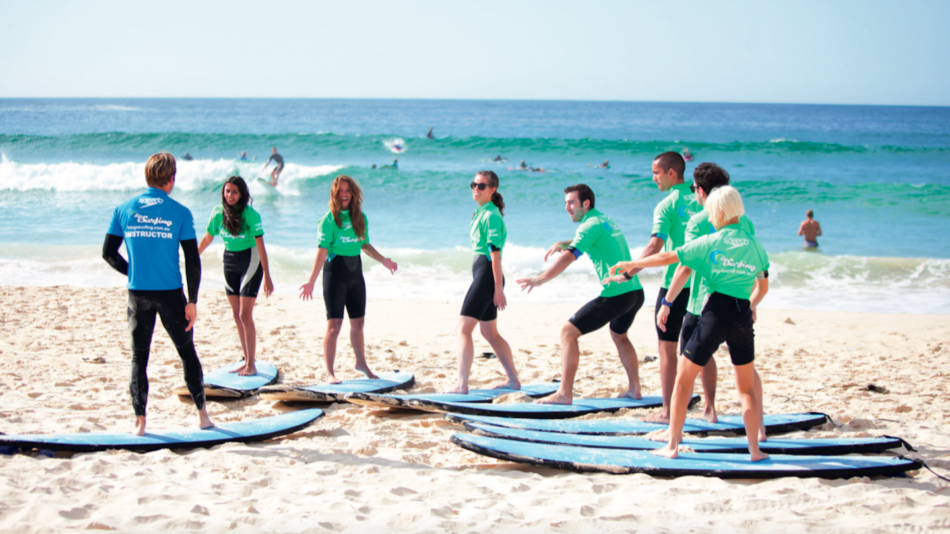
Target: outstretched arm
[(562, 262), (657, 260), (110, 253), (371, 251), (306, 290), (655, 245), (560, 245)]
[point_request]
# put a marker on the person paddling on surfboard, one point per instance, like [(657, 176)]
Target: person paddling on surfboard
[(245, 261), (600, 238), (729, 261), (486, 295), (153, 226), (342, 234), (279, 160)]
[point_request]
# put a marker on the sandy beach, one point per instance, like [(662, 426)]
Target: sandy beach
[(360, 470)]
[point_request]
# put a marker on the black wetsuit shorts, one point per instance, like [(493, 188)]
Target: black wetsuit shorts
[(480, 300), (344, 287), (619, 311), (243, 272), (170, 306), (689, 325), (675, 320), (724, 319)]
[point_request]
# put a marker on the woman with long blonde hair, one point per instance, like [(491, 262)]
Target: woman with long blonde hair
[(343, 235)]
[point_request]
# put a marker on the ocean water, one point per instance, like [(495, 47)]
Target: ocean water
[(878, 179)]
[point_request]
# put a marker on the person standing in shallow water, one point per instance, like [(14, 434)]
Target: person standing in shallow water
[(486, 295), (343, 234), (245, 261), (153, 226), (811, 229)]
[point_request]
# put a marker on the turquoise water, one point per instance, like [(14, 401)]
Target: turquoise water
[(877, 178)]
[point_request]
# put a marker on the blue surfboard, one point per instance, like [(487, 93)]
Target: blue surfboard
[(181, 438), (336, 392), (474, 395), (728, 424), (530, 410), (223, 383), (823, 446), (587, 459)]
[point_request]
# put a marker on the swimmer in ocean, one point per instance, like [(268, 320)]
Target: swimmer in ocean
[(429, 135), (686, 155), (187, 157), (243, 156), (499, 159), (279, 160), (524, 166), (605, 164), (811, 229)]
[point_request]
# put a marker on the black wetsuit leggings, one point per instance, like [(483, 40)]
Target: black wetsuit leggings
[(170, 306)]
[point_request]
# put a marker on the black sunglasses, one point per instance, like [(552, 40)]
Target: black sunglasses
[(692, 188), (481, 187)]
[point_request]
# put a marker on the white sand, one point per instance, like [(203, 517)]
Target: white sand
[(361, 470)]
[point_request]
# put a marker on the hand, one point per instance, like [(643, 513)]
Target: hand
[(268, 286), (618, 278), (621, 266), (191, 313), (529, 283), (753, 314), (306, 291), (661, 317), (554, 248), (500, 301), (390, 264)]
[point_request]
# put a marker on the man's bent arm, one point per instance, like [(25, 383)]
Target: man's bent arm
[(192, 268), (110, 253), (561, 263)]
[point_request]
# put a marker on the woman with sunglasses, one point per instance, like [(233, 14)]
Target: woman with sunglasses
[(486, 294), (344, 233), (245, 261)]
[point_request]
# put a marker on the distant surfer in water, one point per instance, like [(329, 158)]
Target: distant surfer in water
[(343, 234), (153, 227), (245, 261), (499, 159), (187, 157), (279, 160), (605, 164), (599, 237), (525, 167), (429, 135), (811, 229), (486, 295), (686, 155), (243, 156)]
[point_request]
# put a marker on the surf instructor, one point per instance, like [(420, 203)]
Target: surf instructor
[(153, 226)]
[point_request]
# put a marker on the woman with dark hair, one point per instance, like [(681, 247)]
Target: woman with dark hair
[(245, 261), (343, 234), (486, 295)]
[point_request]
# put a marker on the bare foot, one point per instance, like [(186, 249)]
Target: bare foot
[(510, 384), (663, 419), (660, 435), (670, 451), (139, 429), (332, 379), (239, 370), (366, 371), (710, 415), (204, 422), (758, 456), (458, 388), (556, 398), (631, 394), (249, 370)]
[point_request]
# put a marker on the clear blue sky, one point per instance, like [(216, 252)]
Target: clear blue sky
[(804, 51)]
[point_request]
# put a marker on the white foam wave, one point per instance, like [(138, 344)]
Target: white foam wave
[(192, 175)]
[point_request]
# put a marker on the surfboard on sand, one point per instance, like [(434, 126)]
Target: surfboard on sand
[(179, 438), (587, 459), (727, 425), (530, 410), (474, 395), (336, 392), (223, 383), (812, 446)]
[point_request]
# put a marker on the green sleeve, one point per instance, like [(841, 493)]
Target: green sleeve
[(495, 231), (253, 221), (693, 253), (663, 219), (693, 229), (326, 234), (588, 234)]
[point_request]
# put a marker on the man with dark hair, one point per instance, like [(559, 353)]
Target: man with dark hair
[(811, 229), (669, 228), (153, 226), (600, 238)]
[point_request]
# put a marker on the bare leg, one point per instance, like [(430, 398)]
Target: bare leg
[(708, 376), (667, 379), (235, 302), (751, 414), (329, 348), (356, 340), (503, 351), (466, 353), (203, 420), (761, 404), (275, 174), (628, 357), (685, 377), (249, 332), (570, 357), (139, 429)]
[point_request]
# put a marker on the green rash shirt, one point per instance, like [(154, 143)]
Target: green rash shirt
[(699, 226), (341, 240), (253, 228), (600, 238), (669, 222), (729, 260), (488, 228)]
